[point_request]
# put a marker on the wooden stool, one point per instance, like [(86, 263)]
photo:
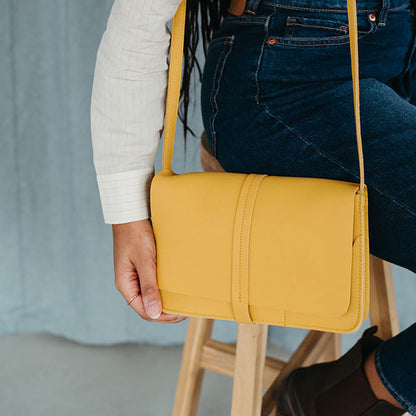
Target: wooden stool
[(247, 362)]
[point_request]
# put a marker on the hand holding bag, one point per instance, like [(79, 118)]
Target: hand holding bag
[(254, 248)]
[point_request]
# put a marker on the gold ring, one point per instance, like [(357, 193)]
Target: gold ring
[(132, 298)]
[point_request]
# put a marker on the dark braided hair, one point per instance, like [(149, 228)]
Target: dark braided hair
[(209, 13)]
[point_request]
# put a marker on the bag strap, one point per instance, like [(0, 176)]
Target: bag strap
[(175, 72)]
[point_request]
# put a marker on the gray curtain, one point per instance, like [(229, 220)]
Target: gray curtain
[(56, 272)]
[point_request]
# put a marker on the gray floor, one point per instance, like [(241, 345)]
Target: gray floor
[(44, 375)]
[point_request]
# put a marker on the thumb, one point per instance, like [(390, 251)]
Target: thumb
[(148, 286)]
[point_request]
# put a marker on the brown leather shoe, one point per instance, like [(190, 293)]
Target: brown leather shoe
[(336, 388)]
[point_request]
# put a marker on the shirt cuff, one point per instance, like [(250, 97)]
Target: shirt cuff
[(125, 196)]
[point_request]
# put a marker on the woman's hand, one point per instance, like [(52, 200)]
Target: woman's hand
[(134, 250)]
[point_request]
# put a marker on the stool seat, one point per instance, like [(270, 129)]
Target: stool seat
[(247, 363)]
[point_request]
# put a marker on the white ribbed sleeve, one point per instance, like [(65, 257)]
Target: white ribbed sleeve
[(128, 105)]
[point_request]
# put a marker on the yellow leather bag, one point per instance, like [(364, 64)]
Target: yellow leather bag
[(254, 248)]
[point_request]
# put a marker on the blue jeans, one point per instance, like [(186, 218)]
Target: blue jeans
[(276, 98)]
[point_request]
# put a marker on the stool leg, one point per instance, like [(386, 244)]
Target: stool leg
[(383, 310), (191, 374), (333, 350), (249, 368)]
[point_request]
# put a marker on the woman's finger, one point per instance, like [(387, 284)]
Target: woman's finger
[(146, 268), (137, 305), (127, 283), (135, 270)]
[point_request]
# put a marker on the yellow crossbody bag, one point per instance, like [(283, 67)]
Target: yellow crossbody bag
[(254, 248)]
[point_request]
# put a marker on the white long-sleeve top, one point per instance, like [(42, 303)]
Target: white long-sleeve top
[(128, 105)]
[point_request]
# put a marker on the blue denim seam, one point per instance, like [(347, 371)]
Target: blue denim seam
[(387, 384), (244, 19), (302, 43), (335, 161), (322, 41), (318, 27), (297, 134), (252, 6), (260, 57), (314, 42), (382, 16), (220, 40), (276, 5), (215, 89)]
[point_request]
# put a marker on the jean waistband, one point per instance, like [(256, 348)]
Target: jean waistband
[(330, 5)]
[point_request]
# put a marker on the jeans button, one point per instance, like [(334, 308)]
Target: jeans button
[(372, 17)]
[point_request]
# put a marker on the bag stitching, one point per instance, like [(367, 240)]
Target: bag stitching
[(239, 261), (241, 236), (277, 323), (259, 179), (253, 177)]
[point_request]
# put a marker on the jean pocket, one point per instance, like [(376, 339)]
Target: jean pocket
[(304, 27), (297, 28)]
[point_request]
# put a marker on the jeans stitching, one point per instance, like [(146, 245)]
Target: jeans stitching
[(221, 40), (244, 19), (335, 161), (276, 117), (323, 41), (317, 26), (261, 22), (400, 399), (265, 107), (314, 43), (266, 29), (276, 5), (297, 134), (215, 89)]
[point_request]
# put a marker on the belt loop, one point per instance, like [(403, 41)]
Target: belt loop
[(383, 13), (251, 6)]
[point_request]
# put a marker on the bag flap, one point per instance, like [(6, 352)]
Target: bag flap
[(301, 242), (300, 239)]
